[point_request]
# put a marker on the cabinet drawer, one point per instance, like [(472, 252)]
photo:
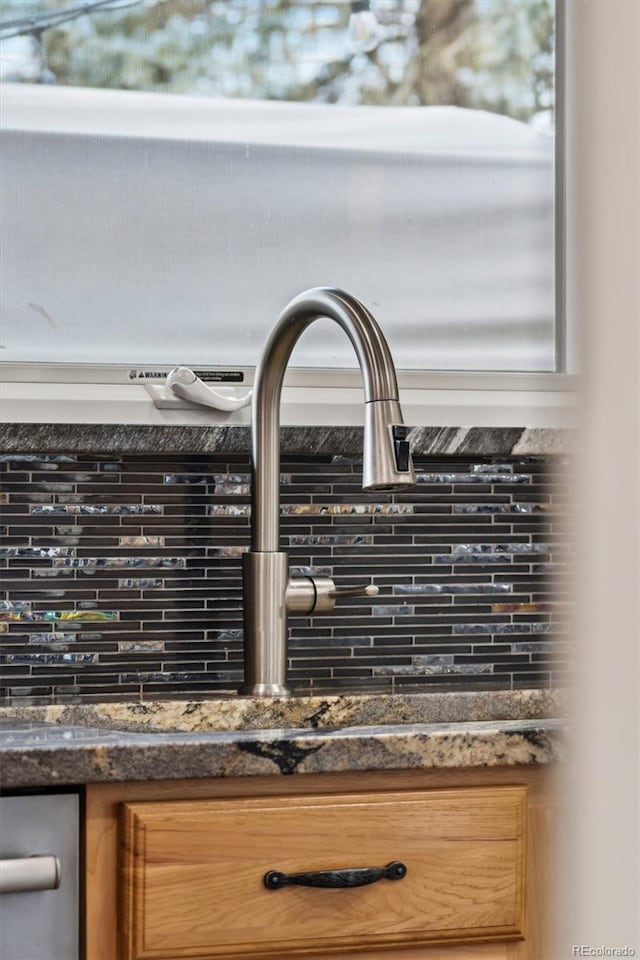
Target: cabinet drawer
[(192, 873)]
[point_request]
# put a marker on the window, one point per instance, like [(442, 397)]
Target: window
[(176, 170)]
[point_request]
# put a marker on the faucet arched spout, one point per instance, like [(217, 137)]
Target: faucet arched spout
[(269, 593), (381, 463)]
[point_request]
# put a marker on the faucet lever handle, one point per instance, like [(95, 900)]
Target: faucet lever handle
[(356, 591), (311, 595)]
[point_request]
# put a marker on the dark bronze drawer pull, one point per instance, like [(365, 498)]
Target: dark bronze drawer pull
[(358, 877)]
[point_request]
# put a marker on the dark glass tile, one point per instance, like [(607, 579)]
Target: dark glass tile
[(381, 651), (356, 673), (362, 685), (22, 691), (299, 643)]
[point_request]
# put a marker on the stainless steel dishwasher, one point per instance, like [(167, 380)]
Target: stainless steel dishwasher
[(39, 877)]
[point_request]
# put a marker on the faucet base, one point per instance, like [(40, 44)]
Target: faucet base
[(264, 690), (265, 578)]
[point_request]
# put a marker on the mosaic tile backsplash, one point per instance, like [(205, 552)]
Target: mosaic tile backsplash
[(122, 577)]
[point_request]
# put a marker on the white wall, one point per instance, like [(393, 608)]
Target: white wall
[(601, 878)]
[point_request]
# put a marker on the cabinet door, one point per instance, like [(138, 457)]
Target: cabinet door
[(193, 873)]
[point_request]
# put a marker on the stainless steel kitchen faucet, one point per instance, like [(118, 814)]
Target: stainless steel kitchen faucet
[(269, 592)]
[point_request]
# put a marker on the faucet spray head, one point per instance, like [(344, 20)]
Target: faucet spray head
[(387, 463)]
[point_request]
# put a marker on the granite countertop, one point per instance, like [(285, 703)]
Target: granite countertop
[(243, 737)]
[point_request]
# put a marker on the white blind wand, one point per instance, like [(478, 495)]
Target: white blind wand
[(184, 383)]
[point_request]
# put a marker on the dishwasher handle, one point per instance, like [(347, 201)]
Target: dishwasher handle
[(29, 874)]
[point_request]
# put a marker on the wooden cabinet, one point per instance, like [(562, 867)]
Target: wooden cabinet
[(175, 870)]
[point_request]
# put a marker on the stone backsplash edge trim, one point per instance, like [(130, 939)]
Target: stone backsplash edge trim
[(24, 438), (304, 712)]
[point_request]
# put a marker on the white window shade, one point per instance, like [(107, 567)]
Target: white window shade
[(150, 229)]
